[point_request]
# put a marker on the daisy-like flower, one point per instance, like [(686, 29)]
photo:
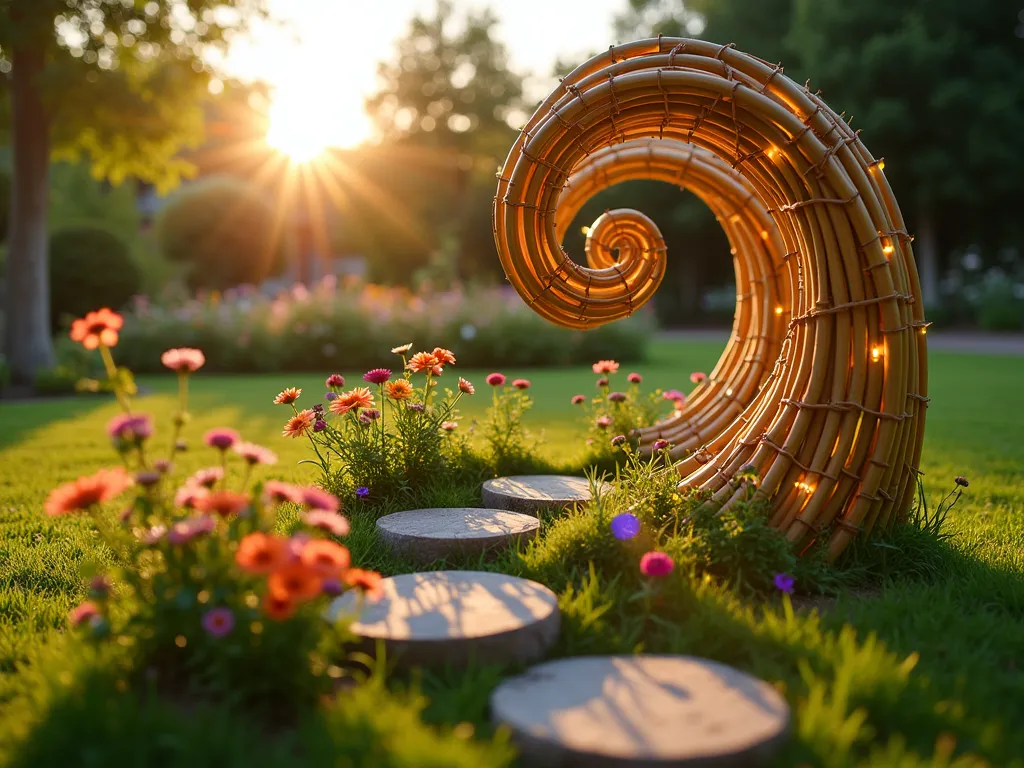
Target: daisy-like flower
[(287, 396), (656, 564), (317, 498), (602, 383), (278, 607), (130, 428), (495, 379), (368, 581), (618, 440), (443, 356), (421, 361), (521, 384), (97, 328), (698, 377), (328, 521), (221, 438), (449, 426), (300, 423), (660, 445), (260, 553), (335, 381), (617, 397), (190, 496), (184, 531), (377, 375), (784, 583), (398, 390), (296, 581), (218, 622), (360, 397), (605, 366), (87, 611), (87, 491), (325, 558), (183, 359), (255, 454), (578, 399), (276, 492), (402, 349), (223, 503), (634, 378), (603, 422), (437, 370), (206, 478), (675, 395), (466, 387)]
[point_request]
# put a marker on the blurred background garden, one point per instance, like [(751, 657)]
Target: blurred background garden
[(286, 182)]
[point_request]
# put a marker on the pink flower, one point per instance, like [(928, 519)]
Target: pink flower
[(617, 397), (618, 440), (153, 535), (634, 378), (466, 387), (87, 611), (255, 454), (335, 381), (275, 492), (603, 422), (377, 376), (206, 478), (218, 621), (221, 438), (130, 427), (521, 384), (449, 426), (676, 396), (183, 359), (317, 498), (578, 399), (496, 379), (698, 377), (660, 445), (331, 522), (656, 564), (184, 531), (602, 383), (605, 366)]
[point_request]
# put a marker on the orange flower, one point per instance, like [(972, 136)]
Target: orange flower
[(278, 607), (605, 366), (87, 491), (295, 581), (97, 328), (223, 503), (400, 389), (287, 396), (421, 361), (297, 425), (360, 397), (443, 356), (260, 553), (368, 581), (325, 558)]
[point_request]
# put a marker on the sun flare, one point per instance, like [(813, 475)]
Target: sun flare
[(303, 124)]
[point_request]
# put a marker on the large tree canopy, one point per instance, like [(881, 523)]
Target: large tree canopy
[(117, 82)]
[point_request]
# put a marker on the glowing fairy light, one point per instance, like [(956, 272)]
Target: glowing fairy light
[(585, 230), (881, 165), (772, 152), (764, 234), (804, 487), (876, 354), (778, 309), (887, 249)]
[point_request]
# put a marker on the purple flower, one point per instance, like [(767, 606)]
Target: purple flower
[(320, 425), (147, 478), (617, 397), (418, 407), (184, 531), (221, 438), (318, 409), (656, 564), (660, 445), (371, 414), (362, 492), (377, 376), (331, 587), (317, 498), (163, 466), (784, 583), (218, 621), (625, 526), (331, 396), (130, 427)]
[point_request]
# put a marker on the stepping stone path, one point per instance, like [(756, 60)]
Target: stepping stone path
[(425, 535), (450, 617), (531, 493), (641, 710)]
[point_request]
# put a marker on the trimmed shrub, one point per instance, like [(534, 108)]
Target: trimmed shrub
[(223, 230), (89, 268)]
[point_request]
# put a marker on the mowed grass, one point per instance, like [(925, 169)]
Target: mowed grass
[(923, 661)]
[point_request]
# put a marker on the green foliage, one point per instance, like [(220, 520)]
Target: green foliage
[(224, 230), (5, 203), (89, 268), (508, 444), (999, 309)]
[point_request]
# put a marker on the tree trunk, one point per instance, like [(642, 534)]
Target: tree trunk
[(29, 345), (926, 251)]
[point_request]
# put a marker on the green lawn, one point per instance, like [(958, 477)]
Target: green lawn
[(957, 614)]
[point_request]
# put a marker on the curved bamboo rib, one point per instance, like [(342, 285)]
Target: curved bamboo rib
[(823, 385)]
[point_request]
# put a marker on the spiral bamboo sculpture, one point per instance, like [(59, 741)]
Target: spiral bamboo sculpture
[(822, 386)]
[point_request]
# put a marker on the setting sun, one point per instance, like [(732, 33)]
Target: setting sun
[(303, 123)]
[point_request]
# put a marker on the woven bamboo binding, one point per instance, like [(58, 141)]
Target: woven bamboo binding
[(822, 388)]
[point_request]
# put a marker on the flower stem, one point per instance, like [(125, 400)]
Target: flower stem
[(108, 363)]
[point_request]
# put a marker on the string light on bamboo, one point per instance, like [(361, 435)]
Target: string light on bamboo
[(804, 487), (876, 354), (778, 309)]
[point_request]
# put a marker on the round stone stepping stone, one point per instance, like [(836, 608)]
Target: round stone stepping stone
[(451, 617), (425, 535), (531, 493), (640, 711)]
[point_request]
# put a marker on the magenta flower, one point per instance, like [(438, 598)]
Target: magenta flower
[(784, 583), (87, 611), (184, 531), (221, 438), (675, 395), (130, 427), (496, 379), (660, 445), (276, 492), (317, 498), (634, 378), (319, 425), (698, 377), (335, 380), (326, 520), (163, 466), (521, 384), (218, 621), (656, 564), (206, 478), (578, 399), (603, 422), (617, 397), (377, 376), (190, 496), (255, 454), (417, 407)]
